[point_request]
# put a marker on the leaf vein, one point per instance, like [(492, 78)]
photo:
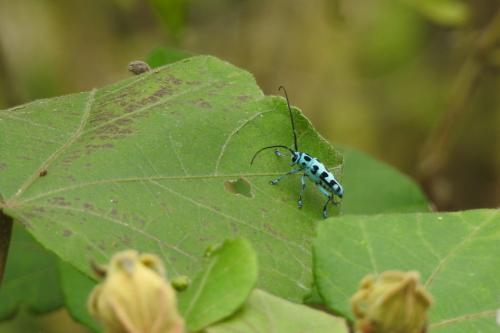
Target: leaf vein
[(147, 178), (58, 152), (229, 217), (465, 317), (159, 241), (369, 247), (232, 134), (456, 249)]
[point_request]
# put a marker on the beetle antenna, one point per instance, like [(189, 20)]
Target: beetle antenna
[(291, 119), (277, 146)]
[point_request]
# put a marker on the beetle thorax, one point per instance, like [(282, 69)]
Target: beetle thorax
[(303, 160)]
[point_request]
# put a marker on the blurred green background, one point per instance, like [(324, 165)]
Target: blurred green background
[(413, 82)]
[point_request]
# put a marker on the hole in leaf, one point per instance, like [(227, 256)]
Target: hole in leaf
[(239, 186)]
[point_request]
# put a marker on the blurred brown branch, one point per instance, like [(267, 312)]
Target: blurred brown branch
[(5, 236), (434, 154), (6, 83)]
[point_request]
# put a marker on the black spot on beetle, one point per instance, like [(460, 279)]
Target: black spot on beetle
[(323, 175), (315, 169), (303, 163), (332, 182), (307, 158)]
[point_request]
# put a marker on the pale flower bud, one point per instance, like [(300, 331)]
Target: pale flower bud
[(395, 302), (135, 297)]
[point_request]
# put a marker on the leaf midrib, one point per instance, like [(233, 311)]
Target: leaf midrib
[(140, 179)]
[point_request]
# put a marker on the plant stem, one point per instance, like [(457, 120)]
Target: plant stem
[(5, 236), (7, 83)]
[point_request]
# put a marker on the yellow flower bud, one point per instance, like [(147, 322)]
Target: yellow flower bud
[(135, 297), (395, 302)]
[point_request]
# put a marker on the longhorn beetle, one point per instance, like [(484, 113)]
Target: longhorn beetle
[(311, 167)]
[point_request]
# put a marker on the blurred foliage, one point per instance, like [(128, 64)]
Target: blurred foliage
[(379, 75), (446, 12), (165, 55), (172, 14), (396, 38)]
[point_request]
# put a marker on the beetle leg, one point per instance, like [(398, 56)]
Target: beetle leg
[(303, 182), (277, 180), (330, 198)]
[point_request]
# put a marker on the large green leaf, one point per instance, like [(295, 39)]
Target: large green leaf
[(456, 254), (154, 163), (222, 287), (373, 187), (267, 313), (30, 279)]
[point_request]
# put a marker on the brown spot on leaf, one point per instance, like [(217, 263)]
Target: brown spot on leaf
[(123, 121), (173, 80), (39, 210), (272, 230), (90, 148), (244, 98), (88, 206), (140, 221), (235, 228), (67, 233), (125, 240), (25, 223), (60, 201), (102, 245), (203, 104)]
